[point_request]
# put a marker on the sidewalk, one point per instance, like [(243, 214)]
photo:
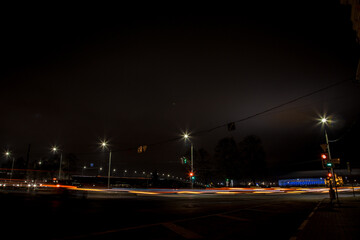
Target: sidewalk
[(336, 221)]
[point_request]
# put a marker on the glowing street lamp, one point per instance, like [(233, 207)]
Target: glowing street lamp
[(187, 137), (8, 154), (55, 149), (324, 121), (104, 146)]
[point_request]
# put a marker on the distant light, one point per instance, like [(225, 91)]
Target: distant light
[(323, 120), (7, 153)]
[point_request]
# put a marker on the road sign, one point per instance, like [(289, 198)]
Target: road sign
[(324, 147), (335, 160), (142, 148)]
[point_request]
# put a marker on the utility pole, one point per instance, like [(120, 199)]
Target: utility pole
[(109, 171), (192, 165), (331, 169)]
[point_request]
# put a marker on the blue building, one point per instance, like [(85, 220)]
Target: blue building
[(302, 182)]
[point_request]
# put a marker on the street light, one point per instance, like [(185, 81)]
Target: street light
[(324, 122), (55, 149), (187, 137), (104, 146), (8, 154)]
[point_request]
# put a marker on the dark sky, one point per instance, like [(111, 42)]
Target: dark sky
[(73, 77)]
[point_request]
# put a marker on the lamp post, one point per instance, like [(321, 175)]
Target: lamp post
[(56, 149), (104, 145), (8, 154), (324, 122), (191, 175)]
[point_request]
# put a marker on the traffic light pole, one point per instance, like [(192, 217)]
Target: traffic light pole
[(192, 165), (109, 171), (331, 169)]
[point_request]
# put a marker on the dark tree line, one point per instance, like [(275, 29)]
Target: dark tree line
[(242, 162)]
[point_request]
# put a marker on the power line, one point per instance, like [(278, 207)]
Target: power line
[(253, 115), (237, 121)]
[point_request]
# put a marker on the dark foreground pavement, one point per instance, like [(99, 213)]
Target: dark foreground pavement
[(188, 216), (332, 221)]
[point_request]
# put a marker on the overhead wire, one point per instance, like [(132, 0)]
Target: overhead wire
[(250, 116)]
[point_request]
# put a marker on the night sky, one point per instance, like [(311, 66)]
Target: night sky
[(73, 77)]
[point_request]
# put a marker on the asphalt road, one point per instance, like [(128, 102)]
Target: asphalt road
[(245, 216)]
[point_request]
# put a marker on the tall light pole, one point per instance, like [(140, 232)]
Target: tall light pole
[(56, 149), (324, 122), (191, 175), (8, 154), (104, 145)]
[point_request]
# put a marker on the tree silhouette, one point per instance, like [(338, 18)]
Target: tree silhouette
[(252, 155), (227, 159)]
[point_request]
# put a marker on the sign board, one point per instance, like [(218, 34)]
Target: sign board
[(324, 147), (335, 160)]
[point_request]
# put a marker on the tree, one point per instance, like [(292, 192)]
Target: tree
[(204, 166), (227, 158), (252, 154)]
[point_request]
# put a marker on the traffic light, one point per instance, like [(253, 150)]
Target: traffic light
[(329, 164), (183, 160), (329, 174), (191, 174), (326, 162)]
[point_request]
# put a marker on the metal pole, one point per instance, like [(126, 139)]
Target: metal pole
[(109, 172), (12, 168), (60, 166), (192, 165), (332, 167), (352, 180)]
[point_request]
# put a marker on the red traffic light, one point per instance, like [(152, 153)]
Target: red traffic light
[(324, 156), (191, 174), (329, 175)]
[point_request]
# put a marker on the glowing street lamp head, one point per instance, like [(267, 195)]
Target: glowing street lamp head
[(7, 153), (104, 144), (324, 120), (186, 136), (55, 149)]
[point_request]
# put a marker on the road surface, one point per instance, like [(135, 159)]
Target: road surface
[(159, 216)]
